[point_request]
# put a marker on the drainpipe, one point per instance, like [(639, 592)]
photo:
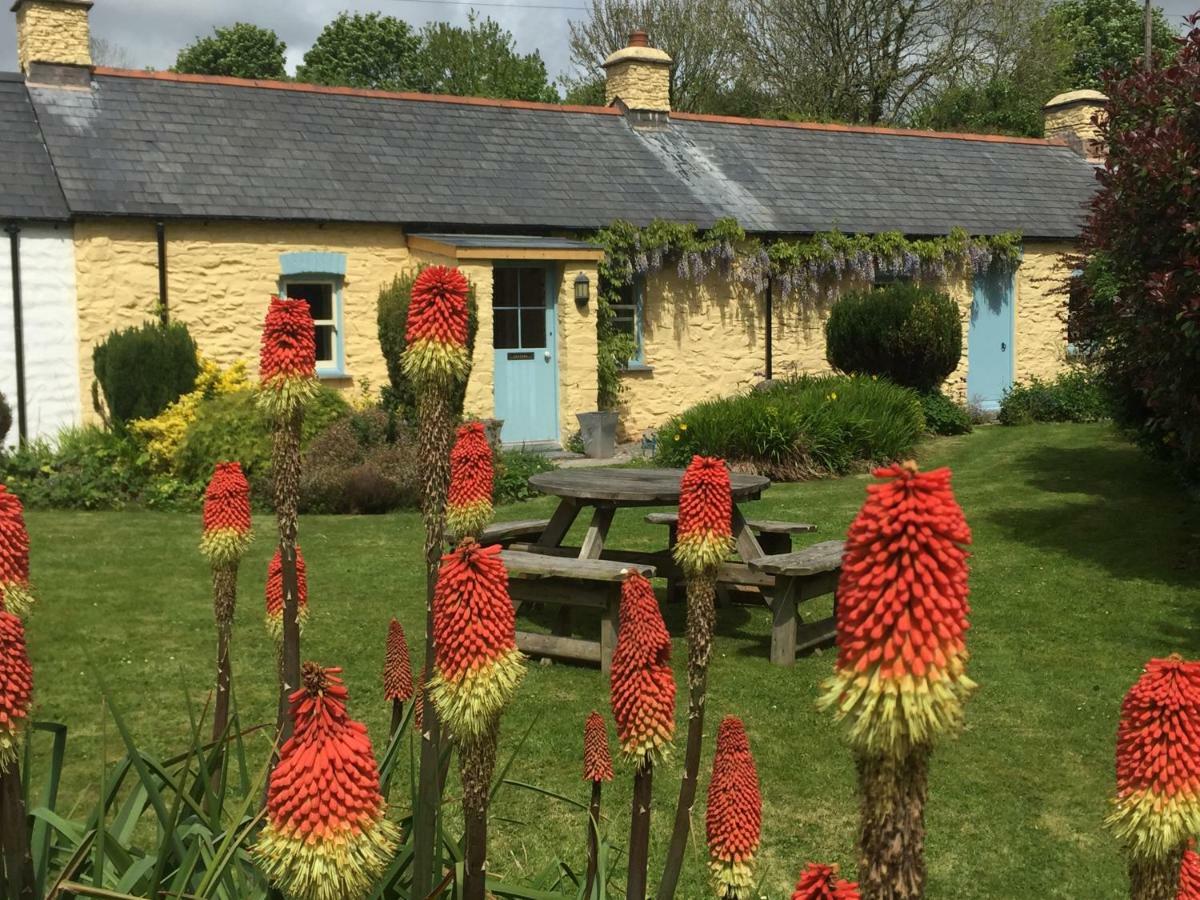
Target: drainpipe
[(770, 362), (160, 232), (14, 240)]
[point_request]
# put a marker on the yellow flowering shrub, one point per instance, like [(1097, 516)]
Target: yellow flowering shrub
[(162, 436)]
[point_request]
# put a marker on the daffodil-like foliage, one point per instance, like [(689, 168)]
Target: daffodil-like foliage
[(477, 662), (397, 670), (436, 331), (14, 554), (597, 760), (226, 515), (641, 681), (274, 618), (287, 364), (734, 817), (326, 836), (705, 516), (900, 677), (818, 882), (469, 501), (16, 686), (1189, 875), (1157, 806)]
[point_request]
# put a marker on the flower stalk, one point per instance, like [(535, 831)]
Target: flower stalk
[(733, 820), (14, 555), (397, 674), (597, 769)]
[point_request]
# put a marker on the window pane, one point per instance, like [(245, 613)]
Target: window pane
[(504, 287), (533, 287), (504, 329), (319, 297), (533, 327), (624, 320), (325, 344)]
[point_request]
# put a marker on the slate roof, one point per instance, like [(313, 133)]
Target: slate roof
[(505, 242), (28, 187), (163, 145)]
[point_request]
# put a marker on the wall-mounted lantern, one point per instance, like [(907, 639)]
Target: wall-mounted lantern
[(583, 289)]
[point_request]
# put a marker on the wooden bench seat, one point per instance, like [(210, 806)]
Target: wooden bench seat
[(569, 582), (504, 533), (773, 536), (800, 576)]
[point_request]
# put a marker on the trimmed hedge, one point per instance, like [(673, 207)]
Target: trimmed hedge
[(806, 427), (1077, 395), (906, 333), (142, 370)]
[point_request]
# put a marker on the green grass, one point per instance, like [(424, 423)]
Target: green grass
[(1083, 567)]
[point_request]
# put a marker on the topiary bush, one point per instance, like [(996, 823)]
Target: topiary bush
[(806, 427), (906, 333), (144, 369), (1077, 395), (943, 416)]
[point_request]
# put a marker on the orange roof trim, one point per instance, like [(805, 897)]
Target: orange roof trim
[(564, 107)]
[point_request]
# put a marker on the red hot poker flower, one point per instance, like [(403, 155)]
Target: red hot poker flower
[(1157, 806), (734, 817), (1189, 875), (597, 761), (397, 670), (642, 684), (705, 516), (274, 618), (477, 664), (14, 554), (436, 330), (288, 357), (326, 836), (226, 515), (818, 882), (469, 501), (900, 676), (16, 686)]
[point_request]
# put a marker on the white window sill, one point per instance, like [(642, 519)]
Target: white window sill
[(635, 368)]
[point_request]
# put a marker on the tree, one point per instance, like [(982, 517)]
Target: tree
[(368, 50), (240, 50), (704, 48), (1106, 35), (110, 53), (480, 60)]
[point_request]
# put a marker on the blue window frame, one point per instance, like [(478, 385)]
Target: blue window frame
[(629, 317), (318, 279)]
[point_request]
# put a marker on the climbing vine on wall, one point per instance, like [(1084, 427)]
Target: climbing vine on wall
[(818, 265)]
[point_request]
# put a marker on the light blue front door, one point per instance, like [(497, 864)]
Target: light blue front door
[(990, 339), (526, 353)]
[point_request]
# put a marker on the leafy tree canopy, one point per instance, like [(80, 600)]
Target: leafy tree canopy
[(1103, 35), (240, 50), (368, 50), (481, 60)]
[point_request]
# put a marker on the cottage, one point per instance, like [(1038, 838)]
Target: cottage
[(130, 194)]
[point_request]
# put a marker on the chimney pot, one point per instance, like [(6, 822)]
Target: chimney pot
[(639, 38), (638, 77)]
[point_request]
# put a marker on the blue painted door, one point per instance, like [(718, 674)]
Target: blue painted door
[(990, 339), (526, 361)]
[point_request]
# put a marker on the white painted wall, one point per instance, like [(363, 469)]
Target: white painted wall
[(51, 342)]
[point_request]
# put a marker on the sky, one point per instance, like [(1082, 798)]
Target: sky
[(151, 32)]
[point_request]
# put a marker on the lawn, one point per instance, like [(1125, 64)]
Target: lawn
[(1084, 566)]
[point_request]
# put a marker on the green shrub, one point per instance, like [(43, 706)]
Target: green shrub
[(230, 427), (801, 428), (391, 317), (1076, 395), (943, 416), (903, 332), (363, 463), (143, 370), (513, 469)]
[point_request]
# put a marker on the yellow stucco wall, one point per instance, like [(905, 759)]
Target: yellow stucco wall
[(53, 32), (1041, 327)]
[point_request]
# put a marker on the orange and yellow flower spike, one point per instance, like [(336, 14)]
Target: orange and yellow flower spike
[(287, 358), (327, 837), (477, 663), (397, 669), (1189, 874), (597, 760), (900, 677), (733, 821), (436, 331), (469, 501), (1157, 806), (642, 684), (274, 592), (16, 686), (705, 535), (14, 554), (818, 882), (227, 533)]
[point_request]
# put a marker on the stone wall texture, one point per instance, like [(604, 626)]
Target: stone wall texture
[(640, 85), (1075, 119), (53, 33)]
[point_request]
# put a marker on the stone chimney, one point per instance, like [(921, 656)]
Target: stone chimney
[(53, 40), (1069, 116), (638, 79)]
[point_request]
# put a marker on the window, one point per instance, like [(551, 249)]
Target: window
[(519, 308), (324, 298), (1077, 303), (627, 317)]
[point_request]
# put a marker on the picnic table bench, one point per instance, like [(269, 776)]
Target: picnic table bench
[(773, 536), (800, 576), (569, 582)]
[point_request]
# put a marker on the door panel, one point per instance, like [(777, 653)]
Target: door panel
[(526, 364), (990, 340)]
